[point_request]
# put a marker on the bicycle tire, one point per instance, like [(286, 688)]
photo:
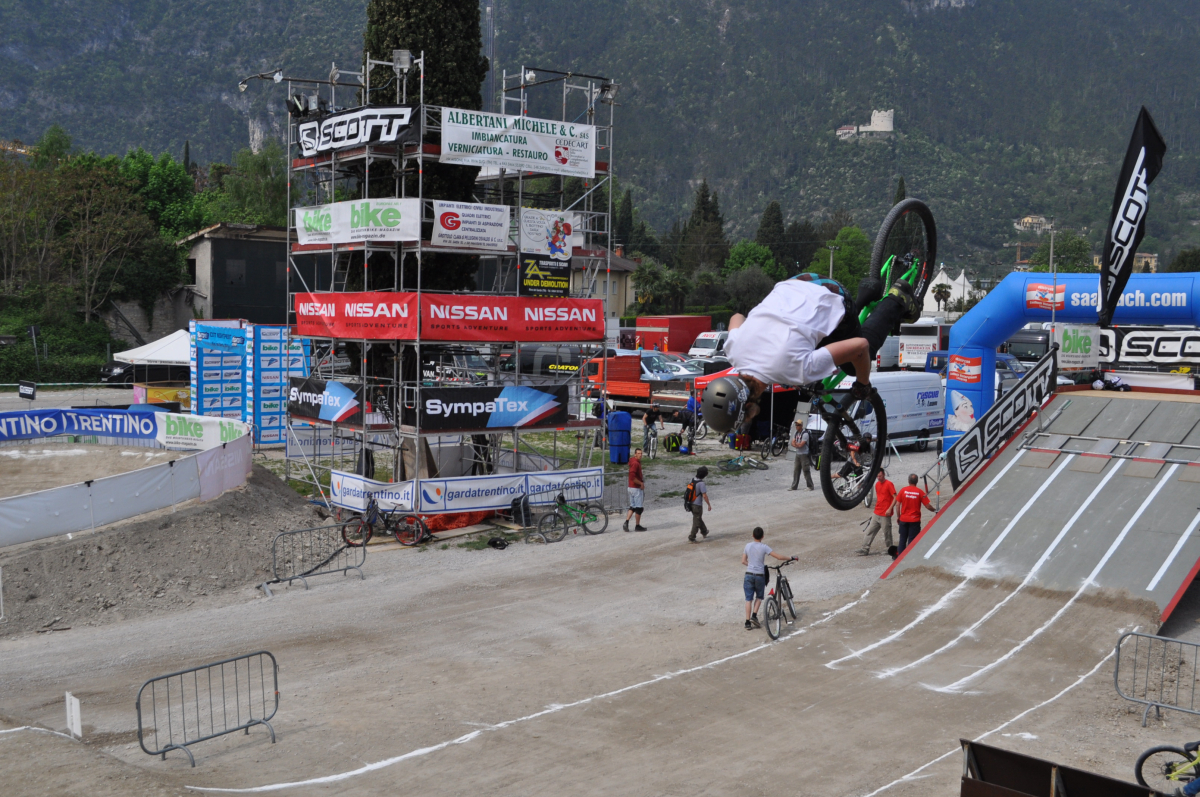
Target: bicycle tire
[(1164, 768), (552, 527), (879, 251), (838, 429), (754, 463), (701, 431), (778, 446), (730, 464), (410, 530), (791, 608), (765, 450), (533, 535), (356, 533), (599, 524), (652, 446), (773, 617)]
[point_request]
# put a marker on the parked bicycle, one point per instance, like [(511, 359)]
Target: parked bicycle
[(776, 444), (407, 529), (565, 518), (779, 595), (1168, 769), (741, 462)]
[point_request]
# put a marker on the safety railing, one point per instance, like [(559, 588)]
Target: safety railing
[(1158, 672), (202, 703), (318, 551)]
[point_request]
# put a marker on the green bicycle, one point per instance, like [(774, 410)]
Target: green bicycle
[(741, 463), (564, 518), (905, 248), (1168, 769)]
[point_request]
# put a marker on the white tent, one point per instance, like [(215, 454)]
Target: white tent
[(171, 350), (959, 288)]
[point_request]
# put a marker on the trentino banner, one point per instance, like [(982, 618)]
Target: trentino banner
[(359, 220), (377, 124), (331, 402), (522, 143), (986, 435), (169, 429), (492, 408), (1127, 224), (467, 225)]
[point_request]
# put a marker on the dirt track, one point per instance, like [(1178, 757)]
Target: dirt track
[(447, 645)]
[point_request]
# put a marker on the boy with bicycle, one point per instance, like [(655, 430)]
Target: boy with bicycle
[(754, 584)]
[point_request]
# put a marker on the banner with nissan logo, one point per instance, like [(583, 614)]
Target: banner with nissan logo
[(467, 225), (492, 408)]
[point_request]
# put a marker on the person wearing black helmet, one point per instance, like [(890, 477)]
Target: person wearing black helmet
[(802, 332)]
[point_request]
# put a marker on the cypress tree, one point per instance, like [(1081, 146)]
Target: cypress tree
[(900, 191), (771, 232), (623, 224)]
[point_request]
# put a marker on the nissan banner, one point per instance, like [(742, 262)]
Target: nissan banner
[(371, 315), (468, 409)]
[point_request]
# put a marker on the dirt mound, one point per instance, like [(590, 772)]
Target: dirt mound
[(158, 563)]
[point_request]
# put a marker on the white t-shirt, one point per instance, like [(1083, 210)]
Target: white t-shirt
[(777, 343), (756, 556)]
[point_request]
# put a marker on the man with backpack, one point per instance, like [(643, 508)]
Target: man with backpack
[(695, 495)]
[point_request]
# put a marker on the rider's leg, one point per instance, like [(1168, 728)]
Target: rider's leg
[(854, 352)]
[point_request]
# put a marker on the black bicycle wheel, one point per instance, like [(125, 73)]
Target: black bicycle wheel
[(701, 431), (773, 616), (652, 445), (847, 492), (356, 532), (754, 463), (1164, 769), (552, 527), (595, 519), (778, 445), (791, 607), (765, 450), (908, 230), (410, 530)]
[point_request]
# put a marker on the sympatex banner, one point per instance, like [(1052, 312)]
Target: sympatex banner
[(1127, 223), (359, 220), (331, 402), (474, 138), (467, 493), (451, 317), (467, 225), (479, 408)]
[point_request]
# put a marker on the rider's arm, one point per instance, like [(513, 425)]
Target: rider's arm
[(782, 558)]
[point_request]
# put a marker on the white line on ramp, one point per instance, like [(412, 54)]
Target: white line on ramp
[(1174, 552), (552, 709), (971, 505)]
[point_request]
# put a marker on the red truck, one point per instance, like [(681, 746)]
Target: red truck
[(671, 332)]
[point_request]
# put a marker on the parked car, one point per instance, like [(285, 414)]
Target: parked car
[(710, 365), (119, 374), (708, 344)]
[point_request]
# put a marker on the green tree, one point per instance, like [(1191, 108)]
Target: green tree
[(771, 232), (53, 148), (253, 191), (708, 289), (1186, 260), (748, 254), (942, 293), (901, 192), (747, 287), (1072, 254), (623, 224), (659, 289), (801, 241), (168, 192), (703, 243), (643, 241), (850, 261)]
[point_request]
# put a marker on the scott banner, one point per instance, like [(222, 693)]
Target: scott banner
[(464, 409), (359, 220), (987, 434), (467, 493), (377, 124), (467, 225), (1127, 224), (522, 143), (331, 402), (374, 315)]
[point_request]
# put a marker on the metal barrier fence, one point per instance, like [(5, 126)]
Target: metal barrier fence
[(204, 702), (1158, 672), (318, 551)]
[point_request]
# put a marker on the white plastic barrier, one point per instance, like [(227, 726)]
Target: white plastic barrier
[(467, 493)]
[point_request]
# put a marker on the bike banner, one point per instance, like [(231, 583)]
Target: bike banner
[(197, 431), (1078, 347), (359, 220), (1127, 223), (467, 225), (489, 319), (467, 493), (464, 409), (522, 143), (543, 276), (986, 435), (375, 315), (331, 402)]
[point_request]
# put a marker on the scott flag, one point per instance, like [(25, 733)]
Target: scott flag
[(1127, 226)]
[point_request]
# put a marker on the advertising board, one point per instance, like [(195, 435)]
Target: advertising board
[(359, 220), (467, 225), (522, 143), (477, 408)]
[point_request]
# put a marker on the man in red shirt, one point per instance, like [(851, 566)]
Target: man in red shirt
[(910, 499), (885, 507), (637, 486)]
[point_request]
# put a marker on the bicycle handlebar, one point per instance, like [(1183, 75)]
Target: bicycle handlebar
[(780, 565)]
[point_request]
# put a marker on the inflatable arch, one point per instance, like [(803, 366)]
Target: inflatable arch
[(1021, 298)]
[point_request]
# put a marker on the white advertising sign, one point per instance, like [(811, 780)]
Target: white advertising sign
[(471, 226), (468, 493), (359, 220), (549, 233), (1078, 346), (474, 138), (196, 431), (351, 491)]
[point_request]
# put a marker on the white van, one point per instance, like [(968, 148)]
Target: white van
[(915, 403), (708, 344), (888, 356)]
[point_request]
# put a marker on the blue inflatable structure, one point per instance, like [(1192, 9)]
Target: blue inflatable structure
[(1021, 298)]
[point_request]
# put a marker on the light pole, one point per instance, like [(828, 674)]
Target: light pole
[(1054, 278), (832, 249)]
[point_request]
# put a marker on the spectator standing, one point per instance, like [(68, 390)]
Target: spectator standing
[(754, 583), (885, 507), (799, 446), (699, 499), (910, 499), (637, 491)]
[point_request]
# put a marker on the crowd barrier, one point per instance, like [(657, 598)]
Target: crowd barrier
[(318, 551), (202, 703), (223, 463), (1157, 672)]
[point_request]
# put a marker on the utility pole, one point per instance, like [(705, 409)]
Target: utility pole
[(832, 249), (1054, 278)]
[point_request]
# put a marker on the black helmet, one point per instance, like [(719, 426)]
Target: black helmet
[(724, 403)]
